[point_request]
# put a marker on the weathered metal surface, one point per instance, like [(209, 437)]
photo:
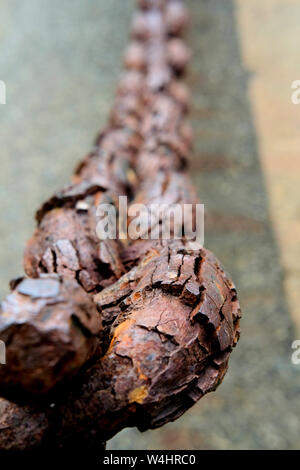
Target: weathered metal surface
[(170, 313), (51, 327)]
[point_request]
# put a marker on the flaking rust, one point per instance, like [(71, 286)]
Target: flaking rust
[(104, 335)]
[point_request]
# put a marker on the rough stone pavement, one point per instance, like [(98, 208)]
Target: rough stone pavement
[(61, 61)]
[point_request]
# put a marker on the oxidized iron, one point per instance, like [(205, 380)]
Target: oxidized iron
[(104, 335)]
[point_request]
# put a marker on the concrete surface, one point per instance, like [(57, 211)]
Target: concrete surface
[(61, 62), (272, 57)]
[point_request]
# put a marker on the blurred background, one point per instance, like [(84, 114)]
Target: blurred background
[(61, 61)]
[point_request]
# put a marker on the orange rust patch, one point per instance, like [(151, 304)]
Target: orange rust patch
[(138, 394), (124, 284), (152, 253), (136, 296), (119, 331), (123, 327), (97, 198)]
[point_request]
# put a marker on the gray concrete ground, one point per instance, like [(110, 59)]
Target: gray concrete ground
[(61, 62)]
